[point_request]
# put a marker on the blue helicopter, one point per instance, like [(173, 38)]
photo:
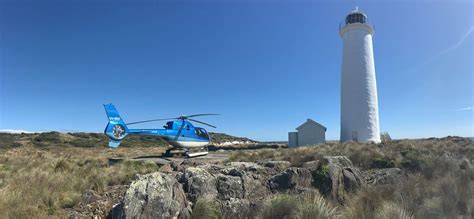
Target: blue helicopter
[(179, 133)]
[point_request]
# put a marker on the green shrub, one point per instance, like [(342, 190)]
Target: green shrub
[(49, 137), (69, 199), (383, 163), (320, 176)]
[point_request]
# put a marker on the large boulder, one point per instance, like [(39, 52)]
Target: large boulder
[(197, 182), (291, 178), (336, 176), (253, 184), (311, 165), (155, 195), (229, 187)]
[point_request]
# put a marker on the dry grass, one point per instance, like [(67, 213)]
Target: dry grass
[(42, 182), (411, 154), (439, 185), (308, 205)]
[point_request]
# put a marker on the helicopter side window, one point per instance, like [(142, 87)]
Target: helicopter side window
[(169, 125)]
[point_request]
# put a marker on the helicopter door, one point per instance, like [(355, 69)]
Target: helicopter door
[(201, 133)]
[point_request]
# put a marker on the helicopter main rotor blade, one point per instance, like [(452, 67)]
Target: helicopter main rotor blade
[(205, 114), (152, 120), (179, 131), (202, 123), (180, 117)]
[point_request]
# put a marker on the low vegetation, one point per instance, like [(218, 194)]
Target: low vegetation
[(307, 205), (439, 180), (46, 181), (46, 175)]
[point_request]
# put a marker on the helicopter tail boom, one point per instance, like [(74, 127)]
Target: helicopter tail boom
[(116, 129)]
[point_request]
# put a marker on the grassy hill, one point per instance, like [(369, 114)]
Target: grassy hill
[(94, 140)]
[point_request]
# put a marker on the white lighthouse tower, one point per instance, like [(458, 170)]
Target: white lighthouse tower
[(359, 104)]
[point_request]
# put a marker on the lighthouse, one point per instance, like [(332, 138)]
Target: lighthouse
[(359, 104)]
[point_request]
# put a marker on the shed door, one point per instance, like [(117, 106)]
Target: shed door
[(355, 136)]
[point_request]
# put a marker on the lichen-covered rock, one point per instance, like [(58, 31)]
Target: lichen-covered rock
[(290, 179), (198, 181), (385, 176), (254, 184), (336, 176), (229, 187), (155, 195)]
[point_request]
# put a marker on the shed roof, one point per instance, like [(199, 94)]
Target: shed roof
[(310, 121)]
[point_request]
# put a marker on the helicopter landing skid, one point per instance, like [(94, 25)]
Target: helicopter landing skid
[(190, 153), (186, 152)]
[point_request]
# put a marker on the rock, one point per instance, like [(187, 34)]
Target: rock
[(240, 208), (386, 176), (198, 181), (155, 195), (278, 165), (336, 176), (176, 166), (99, 204), (233, 171), (311, 165), (253, 183), (229, 187), (342, 161), (116, 211), (290, 179), (90, 196)]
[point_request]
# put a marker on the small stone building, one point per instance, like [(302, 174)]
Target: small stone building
[(308, 133)]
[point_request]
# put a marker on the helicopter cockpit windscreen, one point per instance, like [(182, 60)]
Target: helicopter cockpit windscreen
[(201, 133)]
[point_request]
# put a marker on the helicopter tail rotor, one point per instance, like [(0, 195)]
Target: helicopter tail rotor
[(116, 129)]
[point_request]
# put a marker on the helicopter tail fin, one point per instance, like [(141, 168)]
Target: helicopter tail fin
[(116, 129)]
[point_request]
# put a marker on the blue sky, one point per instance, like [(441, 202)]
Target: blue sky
[(266, 66)]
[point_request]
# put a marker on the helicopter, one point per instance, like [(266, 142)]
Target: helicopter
[(180, 133)]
